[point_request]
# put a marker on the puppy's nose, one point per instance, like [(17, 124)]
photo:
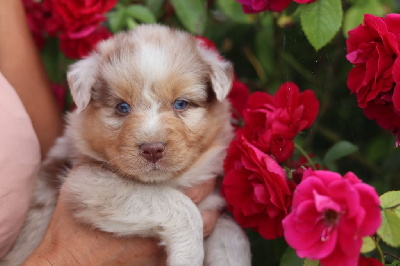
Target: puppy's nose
[(152, 151)]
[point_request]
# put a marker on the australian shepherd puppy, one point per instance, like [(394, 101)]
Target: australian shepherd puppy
[(151, 118)]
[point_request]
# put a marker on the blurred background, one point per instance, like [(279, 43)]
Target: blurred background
[(267, 49)]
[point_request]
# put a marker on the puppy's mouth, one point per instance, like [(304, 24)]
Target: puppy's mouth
[(154, 167), (149, 162)]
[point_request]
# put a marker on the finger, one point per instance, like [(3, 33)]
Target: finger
[(210, 218), (201, 191)]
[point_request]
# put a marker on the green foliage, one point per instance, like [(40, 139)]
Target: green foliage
[(264, 48), (155, 5), (116, 20), (355, 14), (395, 263), (321, 20), (308, 262), (368, 245), (141, 13), (390, 229), (127, 17), (339, 150), (270, 48), (233, 10), (192, 14), (290, 258)]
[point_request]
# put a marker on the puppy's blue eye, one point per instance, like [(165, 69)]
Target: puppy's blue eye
[(123, 108), (180, 104)]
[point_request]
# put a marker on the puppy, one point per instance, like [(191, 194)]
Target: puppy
[(151, 118)]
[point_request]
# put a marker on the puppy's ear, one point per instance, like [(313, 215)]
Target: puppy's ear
[(81, 77), (221, 71)]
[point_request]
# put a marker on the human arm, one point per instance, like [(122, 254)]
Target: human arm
[(21, 66), (29, 119), (69, 242)]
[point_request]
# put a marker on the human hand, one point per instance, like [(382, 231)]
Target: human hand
[(199, 193), (68, 242)]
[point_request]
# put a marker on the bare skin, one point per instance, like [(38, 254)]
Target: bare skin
[(68, 242), (21, 66)]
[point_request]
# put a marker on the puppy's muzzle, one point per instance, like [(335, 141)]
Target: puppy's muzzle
[(153, 151)]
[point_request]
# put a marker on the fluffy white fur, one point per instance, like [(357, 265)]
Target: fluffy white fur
[(153, 206)]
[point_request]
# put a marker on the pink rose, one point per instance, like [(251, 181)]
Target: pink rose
[(271, 122), (257, 6), (329, 217), (80, 47), (373, 48), (256, 189)]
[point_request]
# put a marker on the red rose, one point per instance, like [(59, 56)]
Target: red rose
[(80, 47), (53, 23), (81, 17), (206, 43), (373, 48), (41, 20), (238, 98), (60, 93), (363, 261), (271, 122), (257, 6), (300, 166), (385, 114), (304, 1), (256, 189)]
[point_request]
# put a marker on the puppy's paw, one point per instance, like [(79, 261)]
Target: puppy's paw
[(179, 259), (185, 246), (228, 245)]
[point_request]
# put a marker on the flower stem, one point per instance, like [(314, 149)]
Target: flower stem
[(378, 248), (305, 154), (391, 255), (255, 63)]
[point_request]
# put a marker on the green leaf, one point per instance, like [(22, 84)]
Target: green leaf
[(321, 20), (368, 245), (390, 227), (395, 263), (265, 51), (308, 262), (233, 10), (192, 14), (339, 150), (130, 23), (140, 13), (289, 258), (355, 14), (116, 20), (155, 5), (390, 200)]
